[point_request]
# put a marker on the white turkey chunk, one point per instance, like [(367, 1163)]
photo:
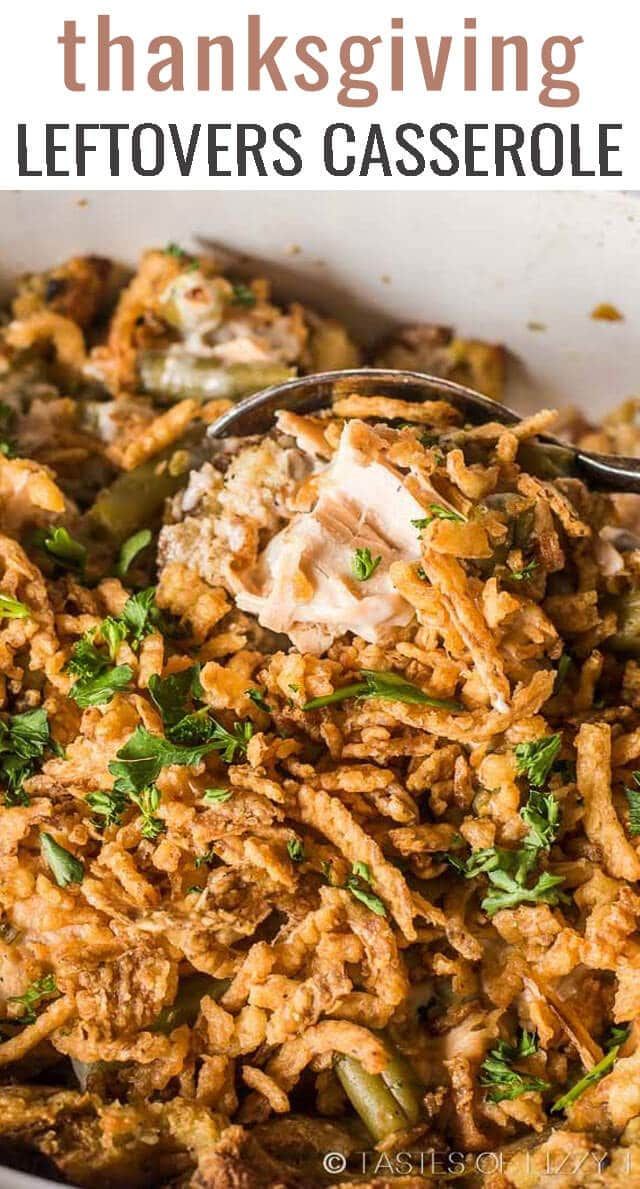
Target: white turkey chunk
[(303, 583)]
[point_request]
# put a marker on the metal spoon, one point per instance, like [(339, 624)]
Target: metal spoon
[(256, 415)]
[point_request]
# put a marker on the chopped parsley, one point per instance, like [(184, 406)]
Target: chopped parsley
[(140, 615), (12, 609), (564, 664), (139, 763), (130, 550), (257, 697), (108, 806), (438, 512), (172, 694), (24, 738), (535, 759), (175, 250), (512, 877), (633, 803), (378, 684), (363, 565), (97, 677), (594, 1075), (64, 866), (200, 730), (295, 850), (243, 296), (358, 884), (31, 998), (95, 691), (499, 1076), (63, 548), (217, 796), (542, 815), (148, 800), (525, 573)]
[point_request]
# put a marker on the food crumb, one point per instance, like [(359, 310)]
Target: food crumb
[(385, 279), (605, 312), (536, 326), (293, 250), (82, 202)]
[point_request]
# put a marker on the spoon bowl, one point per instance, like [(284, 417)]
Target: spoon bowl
[(309, 394)]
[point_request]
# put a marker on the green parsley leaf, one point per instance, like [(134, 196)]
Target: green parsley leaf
[(535, 759), (497, 1073), (95, 691), (217, 796), (108, 805), (130, 550), (257, 697), (243, 295), (172, 693), (140, 761), (64, 866), (86, 661), (148, 801), (207, 857), (564, 664), (175, 250), (199, 729), (35, 992), (542, 815), (97, 680), (232, 744), (67, 552), (295, 850), (114, 633), (506, 892), (363, 565), (139, 614), (437, 512), (24, 739), (357, 884), (633, 802), (594, 1075), (524, 574), (378, 684), (12, 609), (508, 872)]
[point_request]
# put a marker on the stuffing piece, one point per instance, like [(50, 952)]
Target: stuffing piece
[(319, 758)]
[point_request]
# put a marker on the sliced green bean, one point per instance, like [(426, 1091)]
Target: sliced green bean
[(186, 1005), (178, 375), (136, 498), (386, 1102), (373, 1101), (399, 1077), (627, 638), (547, 460)]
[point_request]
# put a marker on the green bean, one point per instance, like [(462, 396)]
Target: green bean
[(186, 1005), (547, 460), (330, 348), (400, 1078), (386, 1102), (136, 498), (627, 638), (179, 375)]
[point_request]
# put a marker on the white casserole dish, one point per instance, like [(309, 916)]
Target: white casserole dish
[(489, 264)]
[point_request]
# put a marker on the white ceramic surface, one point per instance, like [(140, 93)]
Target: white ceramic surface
[(489, 264)]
